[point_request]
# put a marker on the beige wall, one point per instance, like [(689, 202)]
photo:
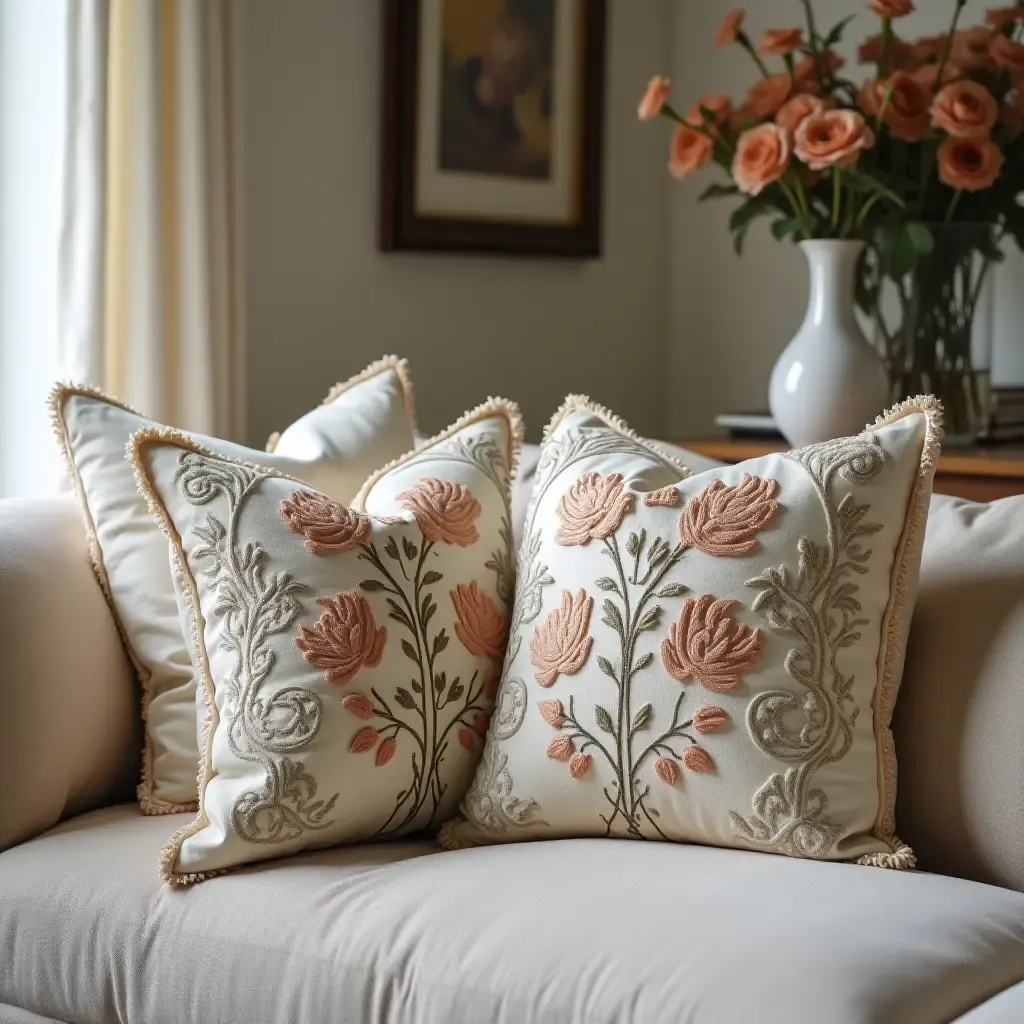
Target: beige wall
[(731, 317), (322, 301)]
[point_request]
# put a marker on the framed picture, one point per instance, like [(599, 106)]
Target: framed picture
[(492, 130)]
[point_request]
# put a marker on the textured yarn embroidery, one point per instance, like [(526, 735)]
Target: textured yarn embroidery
[(329, 527), (667, 497), (818, 610), (264, 726), (561, 644), (724, 520)]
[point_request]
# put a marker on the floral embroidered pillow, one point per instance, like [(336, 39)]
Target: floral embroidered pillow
[(709, 658), (348, 656)]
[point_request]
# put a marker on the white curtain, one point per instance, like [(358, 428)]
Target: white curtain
[(150, 269)]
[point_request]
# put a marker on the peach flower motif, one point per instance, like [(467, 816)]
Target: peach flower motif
[(724, 520), (689, 151), (970, 164), (965, 110), (907, 111), (717, 104), (561, 645), (654, 98), (385, 752), (709, 717), (892, 8), (762, 157), (795, 109), (832, 138), (345, 639), (667, 770), (364, 740), (1002, 16), (697, 759), (552, 712), (665, 497), (561, 748), (767, 95), (358, 704), (444, 511), (1008, 55), (467, 739), (579, 765), (777, 42), (730, 28), (480, 627), (705, 643), (329, 527), (592, 509)]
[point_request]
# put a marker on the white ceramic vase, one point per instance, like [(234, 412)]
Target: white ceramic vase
[(828, 382)]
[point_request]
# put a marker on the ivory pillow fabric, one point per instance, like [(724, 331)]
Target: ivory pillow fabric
[(365, 423), (348, 657), (709, 658)]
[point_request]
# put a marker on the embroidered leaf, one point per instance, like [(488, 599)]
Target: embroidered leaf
[(654, 812), (371, 585), (667, 770), (392, 549), (561, 748), (603, 719), (633, 545), (642, 717), (385, 752), (658, 552), (404, 699), (365, 739), (579, 765), (605, 666), (410, 549), (612, 617), (552, 712), (440, 682), (358, 704), (410, 651), (606, 583), (417, 686), (697, 759), (709, 717), (456, 691), (649, 619), (670, 590), (440, 642), (432, 577), (643, 661)]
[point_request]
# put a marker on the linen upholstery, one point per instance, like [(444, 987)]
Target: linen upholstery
[(365, 423), (959, 721), (68, 735), (347, 661), (709, 658), (566, 932)]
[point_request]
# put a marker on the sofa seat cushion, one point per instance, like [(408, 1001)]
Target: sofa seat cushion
[(587, 931)]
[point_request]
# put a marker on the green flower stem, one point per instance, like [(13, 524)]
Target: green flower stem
[(947, 49), (886, 49), (744, 40), (837, 195), (953, 204)]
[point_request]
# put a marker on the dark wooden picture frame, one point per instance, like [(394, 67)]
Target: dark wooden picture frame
[(403, 228)]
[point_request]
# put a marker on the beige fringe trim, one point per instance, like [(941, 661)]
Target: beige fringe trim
[(399, 366), (902, 591), (448, 837), (59, 394), (583, 403), (493, 408)]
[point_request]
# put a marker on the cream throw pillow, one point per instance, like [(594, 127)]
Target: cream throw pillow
[(364, 423), (348, 659), (709, 658)]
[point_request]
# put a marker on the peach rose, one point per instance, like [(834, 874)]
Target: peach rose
[(907, 113), (970, 164), (344, 639), (718, 104), (592, 509), (724, 520), (794, 110), (971, 48), (892, 8), (730, 28), (328, 526), (1000, 16), (965, 110), (901, 53), (767, 95), (707, 644), (832, 138), (928, 74), (777, 42), (762, 157), (1008, 55), (654, 98), (930, 48), (689, 151), (444, 511), (480, 626), (561, 644)]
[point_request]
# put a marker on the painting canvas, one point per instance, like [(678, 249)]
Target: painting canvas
[(492, 132)]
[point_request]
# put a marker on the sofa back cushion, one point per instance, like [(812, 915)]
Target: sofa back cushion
[(959, 721)]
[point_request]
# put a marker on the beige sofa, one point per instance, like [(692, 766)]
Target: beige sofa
[(588, 931)]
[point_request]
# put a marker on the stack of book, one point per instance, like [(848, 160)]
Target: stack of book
[(758, 425), (1006, 422)]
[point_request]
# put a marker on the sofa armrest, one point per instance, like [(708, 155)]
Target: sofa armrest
[(68, 704)]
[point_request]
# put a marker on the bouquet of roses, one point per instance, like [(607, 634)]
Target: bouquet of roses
[(934, 135)]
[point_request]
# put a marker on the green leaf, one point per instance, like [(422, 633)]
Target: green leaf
[(417, 686), (671, 590), (748, 211), (441, 642), (410, 549), (410, 651), (784, 228), (644, 661), (921, 238), (837, 30), (611, 616), (603, 719), (649, 619), (392, 549), (431, 577), (370, 586), (605, 666), (717, 191), (606, 583), (456, 691), (633, 544), (642, 717), (440, 682), (404, 699)]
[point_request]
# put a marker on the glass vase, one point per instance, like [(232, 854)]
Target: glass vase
[(933, 328)]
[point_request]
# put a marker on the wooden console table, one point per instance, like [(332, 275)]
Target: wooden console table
[(979, 474)]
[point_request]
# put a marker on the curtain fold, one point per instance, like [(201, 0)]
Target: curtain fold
[(150, 269)]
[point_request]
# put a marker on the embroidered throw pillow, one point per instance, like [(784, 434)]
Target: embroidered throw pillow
[(709, 658), (348, 656), (364, 423)]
